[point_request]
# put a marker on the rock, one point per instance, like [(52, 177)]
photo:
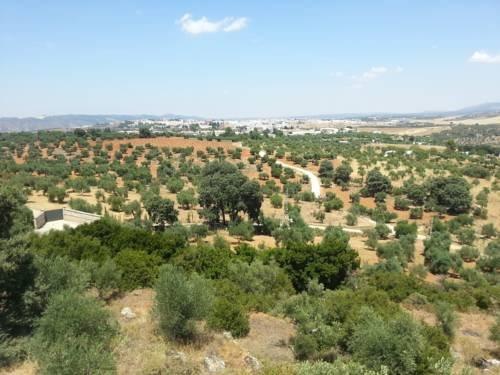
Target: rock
[(177, 356), (227, 335), (252, 362), (485, 364), (127, 313), (214, 363)]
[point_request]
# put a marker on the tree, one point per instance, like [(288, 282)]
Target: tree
[(74, 336), (180, 301), (376, 182), (160, 210), (186, 198), (397, 343), (243, 230), (342, 174), (451, 192), (15, 218), (138, 268), (18, 274), (56, 194), (329, 262), (276, 201), (488, 230), (174, 185), (326, 169), (224, 189), (229, 316), (404, 228), (145, 132)]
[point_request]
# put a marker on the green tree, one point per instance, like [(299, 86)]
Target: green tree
[(223, 189), (329, 262), (276, 201), (230, 316), (187, 198), (376, 182), (342, 174), (161, 210), (139, 269), (180, 301), (74, 336)]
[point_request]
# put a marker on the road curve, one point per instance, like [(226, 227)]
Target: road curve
[(313, 179)]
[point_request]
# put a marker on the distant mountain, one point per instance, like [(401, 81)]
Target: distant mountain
[(10, 124), (485, 109), (481, 109)]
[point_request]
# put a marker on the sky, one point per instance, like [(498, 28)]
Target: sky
[(259, 58)]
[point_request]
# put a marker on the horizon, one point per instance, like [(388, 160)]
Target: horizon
[(260, 60)]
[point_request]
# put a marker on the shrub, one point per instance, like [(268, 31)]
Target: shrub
[(495, 331), (174, 185), (466, 236), (74, 336), (382, 230), (56, 194), (139, 269), (243, 230), (276, 201), (397, 343), (351, 219), (416, 213), (82, 205), (230, 316), (180, 301), (446, 317), (401, 204), (376, 182), (333, 204), (304, 346), (488, 230), (469, 253), (404, 228), (107, 278)]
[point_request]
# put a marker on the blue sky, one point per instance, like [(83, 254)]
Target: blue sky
[(252, 58)]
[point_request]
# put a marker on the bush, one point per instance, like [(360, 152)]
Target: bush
[(139, 269), (74, 337), (351, 219), (107, 278), (466, 236), (397, 343), (404, 228), (180, 301), (304, 346), (382, 230), (276, 201), (446, 317), (495, 331), (416, 213), (333, 204), (468, 253), (174, 185), (488, 230), (243, 230), (230, 316), (56, 194)]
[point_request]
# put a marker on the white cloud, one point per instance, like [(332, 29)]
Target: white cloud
[(399, 69), (484, 57), (337, 74), (372, 73), (204, 25)]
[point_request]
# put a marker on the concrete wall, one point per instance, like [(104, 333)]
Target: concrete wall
[(39, 220), (67, 214), (79, 216)]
